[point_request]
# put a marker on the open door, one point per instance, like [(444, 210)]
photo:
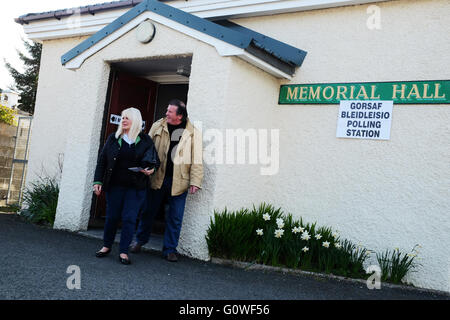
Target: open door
[(126, 91)]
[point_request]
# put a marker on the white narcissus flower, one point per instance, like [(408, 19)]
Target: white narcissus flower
[(295, 230), (280, 223), (279, 233), (318, 236), (335, 235), (301, 229), (266, 216), (305, 236), (259, 232), (305, 249), (338, 245), (326, 244)]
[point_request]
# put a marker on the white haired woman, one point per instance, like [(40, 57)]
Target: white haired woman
[(125, 189)]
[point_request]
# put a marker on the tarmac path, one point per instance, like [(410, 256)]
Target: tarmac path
[(34, 262)]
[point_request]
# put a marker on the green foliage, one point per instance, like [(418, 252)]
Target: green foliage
[(26, 83), (7, 116), (396, 265), (265, 235), (238, 226), (10, 208), (41, 198)]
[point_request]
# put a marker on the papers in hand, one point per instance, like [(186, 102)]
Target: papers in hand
[(137, 169)]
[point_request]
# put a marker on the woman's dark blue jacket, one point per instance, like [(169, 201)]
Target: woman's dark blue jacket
[(146, 155)]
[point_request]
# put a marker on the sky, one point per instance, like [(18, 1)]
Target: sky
[(12, 32)]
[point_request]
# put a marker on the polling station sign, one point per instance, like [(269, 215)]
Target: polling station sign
[(365, 119)]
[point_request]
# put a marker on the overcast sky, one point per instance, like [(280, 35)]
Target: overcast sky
[(12, 32)]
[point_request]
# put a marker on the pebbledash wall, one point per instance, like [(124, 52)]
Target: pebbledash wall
[(381, 194)]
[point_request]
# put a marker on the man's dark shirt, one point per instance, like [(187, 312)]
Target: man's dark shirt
[(175, 132)]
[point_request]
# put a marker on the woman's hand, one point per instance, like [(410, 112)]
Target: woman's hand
[(97, 189), (147, 172)]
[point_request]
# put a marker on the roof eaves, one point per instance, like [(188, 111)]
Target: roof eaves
[(235, 38), (90, 9), (284, 52)]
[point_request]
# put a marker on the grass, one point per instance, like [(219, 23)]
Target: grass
[(10, 208)]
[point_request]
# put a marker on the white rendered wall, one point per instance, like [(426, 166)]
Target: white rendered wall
[(382, 194), (52, 115)]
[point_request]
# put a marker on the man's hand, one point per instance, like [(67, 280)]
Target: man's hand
[(147, 172), (193, 189), (97, 189)]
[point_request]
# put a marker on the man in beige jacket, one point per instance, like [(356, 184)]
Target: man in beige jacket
[(179, 146)]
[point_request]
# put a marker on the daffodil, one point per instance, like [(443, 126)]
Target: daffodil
[(266, 216), (259, 232), (280, 223), (301, 229), (305, 236), (279, 233), (338, 245), (318, 236), (305, 249), (295, 230), (326, 244)]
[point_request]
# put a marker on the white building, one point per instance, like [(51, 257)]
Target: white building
[(9, 99), (279, 66)]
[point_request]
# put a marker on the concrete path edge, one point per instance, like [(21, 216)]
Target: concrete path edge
[(255, 266)]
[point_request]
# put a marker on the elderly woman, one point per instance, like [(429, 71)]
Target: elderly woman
[(125, 163)]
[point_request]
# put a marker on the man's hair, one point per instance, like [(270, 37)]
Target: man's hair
[(181, 108)]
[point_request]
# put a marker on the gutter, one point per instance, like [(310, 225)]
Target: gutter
[(90, 9)]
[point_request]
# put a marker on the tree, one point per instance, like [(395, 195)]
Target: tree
[(26, 83)]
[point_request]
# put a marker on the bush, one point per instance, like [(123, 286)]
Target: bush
[(265, 235), (41, 198), (7, 116)]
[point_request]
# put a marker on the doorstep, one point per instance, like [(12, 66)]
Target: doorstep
[(255, 266), (154, 244)]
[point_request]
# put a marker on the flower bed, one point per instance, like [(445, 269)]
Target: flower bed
[(265, 235)]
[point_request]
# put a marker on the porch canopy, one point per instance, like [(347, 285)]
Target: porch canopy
[(229, 39)]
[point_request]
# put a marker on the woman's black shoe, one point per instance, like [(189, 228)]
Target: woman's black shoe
[(124, 261), (100, 254)]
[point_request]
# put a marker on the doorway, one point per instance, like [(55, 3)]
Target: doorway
[(147, 85)]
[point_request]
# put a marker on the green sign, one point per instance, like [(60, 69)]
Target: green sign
[(410, 92)]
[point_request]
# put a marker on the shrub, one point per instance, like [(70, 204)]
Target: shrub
[(41, 198), (7, 116)]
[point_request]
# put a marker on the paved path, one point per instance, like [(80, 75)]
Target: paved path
[(35, 259)]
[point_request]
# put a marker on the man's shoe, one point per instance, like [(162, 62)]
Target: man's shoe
[(172, 257), (135, 248)]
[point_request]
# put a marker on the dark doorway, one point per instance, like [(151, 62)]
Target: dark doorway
[(149, 86)]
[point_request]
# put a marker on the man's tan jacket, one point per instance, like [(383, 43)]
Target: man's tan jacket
[(188, 159)]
